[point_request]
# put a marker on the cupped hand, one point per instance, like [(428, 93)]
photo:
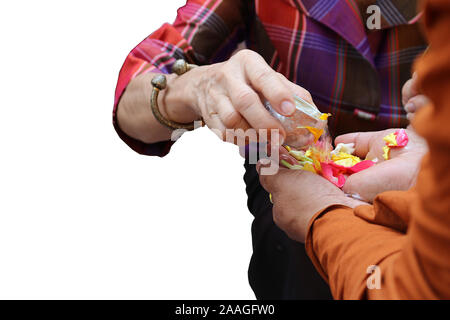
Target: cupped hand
[(297, 196), (229, 95), (397, 173)]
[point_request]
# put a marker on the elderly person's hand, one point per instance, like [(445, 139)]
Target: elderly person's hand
[(411, 99), (229, 95), (297, 196), (397, 173)]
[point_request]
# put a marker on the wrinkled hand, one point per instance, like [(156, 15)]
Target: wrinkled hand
[(397, 173), (412, 100), (228, 95), (297, 196)]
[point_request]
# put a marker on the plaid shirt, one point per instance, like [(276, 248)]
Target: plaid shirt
[(323, 45)]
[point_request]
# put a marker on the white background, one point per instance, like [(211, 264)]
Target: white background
[(81, 214)]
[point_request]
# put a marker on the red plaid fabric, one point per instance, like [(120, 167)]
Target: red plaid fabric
[(323, 45)]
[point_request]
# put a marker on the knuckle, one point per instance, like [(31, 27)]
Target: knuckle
[(263, 76), (231, 119), (219, 74), (307, 95), (281, 76), (280, 93), (244, 54), (245, 98), (358, 139)]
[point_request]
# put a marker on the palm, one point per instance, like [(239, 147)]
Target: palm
[(397, 173)]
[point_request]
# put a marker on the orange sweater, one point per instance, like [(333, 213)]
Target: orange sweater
[(405, 234)]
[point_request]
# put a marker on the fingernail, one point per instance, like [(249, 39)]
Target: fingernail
[(410, 107), (287, 107)]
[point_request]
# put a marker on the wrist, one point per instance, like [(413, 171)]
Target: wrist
[(175, 102), (326, 201), (344, 201), (325, 205)]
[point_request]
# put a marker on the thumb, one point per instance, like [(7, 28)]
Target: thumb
[(358, 188)]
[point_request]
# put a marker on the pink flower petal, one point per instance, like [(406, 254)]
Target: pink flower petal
[(360, 166), (337, 174), (333, 173), (401, 137)]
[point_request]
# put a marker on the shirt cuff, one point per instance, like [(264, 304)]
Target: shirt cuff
[(309, 241), (159, 149)]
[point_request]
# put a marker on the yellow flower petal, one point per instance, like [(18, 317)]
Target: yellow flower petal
[(391, 140), (386, 152), (345, 159), (345, 162), (309, 167), (317, 166), (325, 116), (300, 156), (287, 148), (308, 153), (315, 132)]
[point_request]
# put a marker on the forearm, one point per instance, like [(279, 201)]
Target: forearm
[(134, 114)]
